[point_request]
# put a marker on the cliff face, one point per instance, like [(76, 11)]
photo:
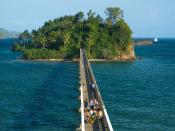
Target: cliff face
[(129, 54)]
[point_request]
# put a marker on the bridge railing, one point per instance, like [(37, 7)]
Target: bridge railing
[(81, 92), (100, 100)]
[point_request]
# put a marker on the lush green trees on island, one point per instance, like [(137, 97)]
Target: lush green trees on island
[(63, 37)]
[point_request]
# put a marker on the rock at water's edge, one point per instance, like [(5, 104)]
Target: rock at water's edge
[(129, 54)]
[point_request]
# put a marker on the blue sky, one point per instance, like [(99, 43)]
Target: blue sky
[(147, 18)]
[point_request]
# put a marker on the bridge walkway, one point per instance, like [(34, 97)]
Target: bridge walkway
[(87, 92)]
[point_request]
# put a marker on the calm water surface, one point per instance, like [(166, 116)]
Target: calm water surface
[(37, 95), (139, 95)]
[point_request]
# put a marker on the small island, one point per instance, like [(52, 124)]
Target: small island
[(62, 38), (143, 41)]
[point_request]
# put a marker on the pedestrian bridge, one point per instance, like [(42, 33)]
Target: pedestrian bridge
[(89, 90)]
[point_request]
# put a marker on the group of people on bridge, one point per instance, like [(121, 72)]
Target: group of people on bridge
[(92, 111)]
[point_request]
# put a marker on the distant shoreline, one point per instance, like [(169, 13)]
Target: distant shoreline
[(144, 42), (74, 60)]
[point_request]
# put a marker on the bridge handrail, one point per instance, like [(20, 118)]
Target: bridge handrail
[(82, 111), (82, 97), (100, 97)]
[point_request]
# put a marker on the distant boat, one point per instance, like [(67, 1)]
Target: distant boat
[(155, 40)]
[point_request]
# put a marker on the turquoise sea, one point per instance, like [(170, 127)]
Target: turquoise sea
[(42, 96)]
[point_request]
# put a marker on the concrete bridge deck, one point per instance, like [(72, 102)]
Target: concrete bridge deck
[(87, 92)]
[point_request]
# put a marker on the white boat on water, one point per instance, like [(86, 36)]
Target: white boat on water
[(155, 39)]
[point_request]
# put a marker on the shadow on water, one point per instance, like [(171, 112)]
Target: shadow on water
[(51, 107)]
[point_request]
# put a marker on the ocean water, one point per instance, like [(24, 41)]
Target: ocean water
[(42, 96), (37, 96), (140, 95)]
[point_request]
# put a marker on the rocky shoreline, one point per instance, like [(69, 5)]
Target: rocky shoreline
[(128, 55), (143, 42)]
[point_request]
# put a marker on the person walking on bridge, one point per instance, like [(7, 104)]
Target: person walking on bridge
[(92, 85), (91, 104)]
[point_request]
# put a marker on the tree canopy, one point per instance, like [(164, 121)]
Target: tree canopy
[(114, 14), (63, 37)]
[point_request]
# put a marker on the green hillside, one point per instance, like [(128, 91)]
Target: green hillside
[(8, 34)]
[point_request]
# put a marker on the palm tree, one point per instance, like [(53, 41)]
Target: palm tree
[(90, 43), (66, 37), (43, 41)]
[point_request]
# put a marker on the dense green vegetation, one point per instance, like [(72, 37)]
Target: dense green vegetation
[(63, 37)]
